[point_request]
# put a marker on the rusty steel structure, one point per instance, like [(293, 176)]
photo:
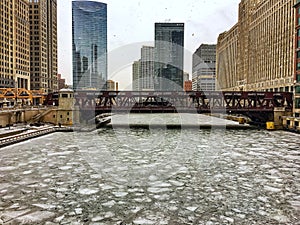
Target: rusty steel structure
[(21, 95), (259, 106)]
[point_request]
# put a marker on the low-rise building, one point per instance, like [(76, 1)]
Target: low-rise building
[(188, 85)]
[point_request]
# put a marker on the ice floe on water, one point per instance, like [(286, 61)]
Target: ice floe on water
[(88, 191), (242, 181), (7, 168)]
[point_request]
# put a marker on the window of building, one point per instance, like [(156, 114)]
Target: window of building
[(298, 78), (297, 103), (297, 89)]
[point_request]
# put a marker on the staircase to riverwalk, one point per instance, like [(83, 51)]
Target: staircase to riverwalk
[(37, 117)]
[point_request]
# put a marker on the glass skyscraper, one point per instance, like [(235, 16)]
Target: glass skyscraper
[(169, 55), (89, 42)]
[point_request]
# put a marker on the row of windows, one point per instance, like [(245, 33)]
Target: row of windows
[(34, 17), (34, 6), (6, 82), (33, 22), (34, 11), (5, 64), (6, 37), (6, 16), (18, 67), (6, 76)]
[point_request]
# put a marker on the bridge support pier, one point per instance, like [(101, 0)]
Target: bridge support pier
[(279, 113)]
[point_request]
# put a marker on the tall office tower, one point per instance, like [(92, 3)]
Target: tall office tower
[(43, 45), (14, 44), (257, 54), (169, 55), (136, 76), (204, 68), (147, 68), (89, 42)]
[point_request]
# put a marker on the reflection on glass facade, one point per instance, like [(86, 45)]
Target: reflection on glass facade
[(89, 42), (169, 43)]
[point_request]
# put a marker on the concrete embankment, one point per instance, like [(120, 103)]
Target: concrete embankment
[(14, 137)]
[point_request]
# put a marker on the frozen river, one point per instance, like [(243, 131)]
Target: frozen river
[(152, 176)]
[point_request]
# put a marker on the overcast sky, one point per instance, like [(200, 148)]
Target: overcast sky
[(131, 25)]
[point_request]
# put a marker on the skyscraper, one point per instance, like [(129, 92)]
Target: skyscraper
[(147, 68), (89, 42), (204, 68), (169, 50), (136, 76), (14, 48), (43, 45)]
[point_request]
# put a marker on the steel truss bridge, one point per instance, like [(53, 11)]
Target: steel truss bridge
[(259, 106)]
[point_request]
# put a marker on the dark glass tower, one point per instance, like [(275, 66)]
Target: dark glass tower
[(89, 43), (169, 50)]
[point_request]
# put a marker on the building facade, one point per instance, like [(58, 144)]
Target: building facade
[(297, 60), (89, 43), (188, 85), (14, 44), (257, 54), (136, 78), (186, 76), (147, 68), (204, 68), (143, 70), (111, 85), (61, 82), (43, 45), (169, 56), (226, 60)]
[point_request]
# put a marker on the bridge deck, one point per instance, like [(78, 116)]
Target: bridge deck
[(258, 105)]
